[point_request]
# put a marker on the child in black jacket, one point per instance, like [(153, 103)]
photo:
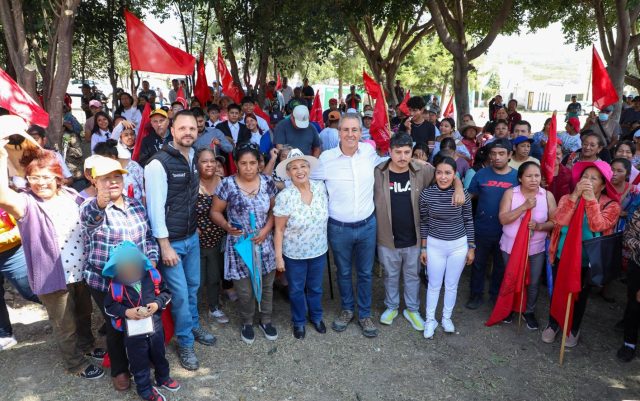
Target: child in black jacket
[(135, 300)]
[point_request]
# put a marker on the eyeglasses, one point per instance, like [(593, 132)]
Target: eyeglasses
[(40, 179)]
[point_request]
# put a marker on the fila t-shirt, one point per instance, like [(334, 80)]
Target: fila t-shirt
[(402, 223), (489, 186)]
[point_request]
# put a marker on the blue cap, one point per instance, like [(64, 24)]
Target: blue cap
[(518, 140), (125, 252)]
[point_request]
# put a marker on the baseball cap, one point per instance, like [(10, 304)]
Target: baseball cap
[(301, 116), (104, 165), (518, 140), (636, 134), (95, 103), (160, 112), (368, 114), (575, 123), (334, 116), (503, 143), (333, 101)]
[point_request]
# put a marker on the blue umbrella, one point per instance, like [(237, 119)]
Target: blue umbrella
[(250, 253)]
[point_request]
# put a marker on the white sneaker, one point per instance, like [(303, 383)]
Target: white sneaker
[(430, 329), (219, 316), (7, 342), (447, 325)]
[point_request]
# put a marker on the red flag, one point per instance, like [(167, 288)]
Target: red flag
[(167, 324), (568, 279), (279, 83), (149, 52), (201, 89), (257, 110), (511, 290), (448, 111), (370, 85), (143, 131), (604, 93), (403, 105), (549, 156), (228, 87), (315, 115), (180, 97), (379, 129), (18, 102)]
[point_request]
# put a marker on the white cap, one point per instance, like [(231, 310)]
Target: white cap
[(637, 133), (352, 110), (368, 114), (123, 152), (301, 116), (12, 124), (90, 161)]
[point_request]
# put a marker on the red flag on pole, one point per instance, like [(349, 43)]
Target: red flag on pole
[(513, 295), (448, 111), (201, 89), (228, 87), (549, 156), (279, 83), (379, 130), (604, 93), (370, 85), (149, 52), (403, 105), (568, 279), (315, 115), (143, 131), (18, 102)]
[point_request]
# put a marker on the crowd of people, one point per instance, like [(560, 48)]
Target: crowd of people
[(219, 202)]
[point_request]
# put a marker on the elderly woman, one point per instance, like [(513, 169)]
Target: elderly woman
[(592, 145), (529, 195), (211, 235), (301, 216), (107, 220), (248, 196), (49, 222), (593, 186)]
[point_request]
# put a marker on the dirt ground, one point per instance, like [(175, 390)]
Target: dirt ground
[(477, 363)]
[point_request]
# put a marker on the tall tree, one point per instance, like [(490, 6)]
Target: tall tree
[(42, 35), (467, 29)]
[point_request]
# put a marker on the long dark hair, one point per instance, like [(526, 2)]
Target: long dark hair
[(96, 129)]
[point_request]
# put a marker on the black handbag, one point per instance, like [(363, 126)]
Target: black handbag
[(605, 258)]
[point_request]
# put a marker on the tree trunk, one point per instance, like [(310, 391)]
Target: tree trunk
[(460, 86), (12, 20), (226, 33), (389, 83)]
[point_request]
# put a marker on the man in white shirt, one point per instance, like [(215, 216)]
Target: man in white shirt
[(347, 171), (287, 91)]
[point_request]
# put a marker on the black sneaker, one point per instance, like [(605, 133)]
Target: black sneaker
[(247, 334), (92, 372), (532, 322), (474, 302), (203, 336), (188, 359), (626, 354), (508, 319), (97, 353), (269, 331)]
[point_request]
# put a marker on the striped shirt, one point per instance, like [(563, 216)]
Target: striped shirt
[(441, 220)]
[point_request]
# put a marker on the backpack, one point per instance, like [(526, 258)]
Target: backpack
[(117, 293)]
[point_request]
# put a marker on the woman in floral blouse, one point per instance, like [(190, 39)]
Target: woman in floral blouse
[(301, 215), (211, 235)]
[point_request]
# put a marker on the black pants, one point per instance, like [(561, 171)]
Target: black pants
[(632, 311), (579, 306), (142, 351), (115, 339)]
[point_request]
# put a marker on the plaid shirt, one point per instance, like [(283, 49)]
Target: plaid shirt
[(104, 229)]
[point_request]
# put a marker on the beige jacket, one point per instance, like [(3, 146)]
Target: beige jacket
[(420, 175)]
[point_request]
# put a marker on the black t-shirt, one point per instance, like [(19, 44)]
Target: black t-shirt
[(402, 223), (424, 132)]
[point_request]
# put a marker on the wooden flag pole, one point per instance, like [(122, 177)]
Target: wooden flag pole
[(565, 328), (524, 277), (386, 108)]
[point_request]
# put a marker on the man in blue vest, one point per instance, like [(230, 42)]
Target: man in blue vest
[(171, 184)]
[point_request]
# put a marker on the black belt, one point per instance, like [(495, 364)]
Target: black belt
[(355, 224)]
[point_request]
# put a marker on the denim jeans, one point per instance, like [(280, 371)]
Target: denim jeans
[(357, 246), (487, 246), (301, 274), (13, 267), (183, 281)]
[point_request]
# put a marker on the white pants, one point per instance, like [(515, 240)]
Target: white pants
[(445, 261)]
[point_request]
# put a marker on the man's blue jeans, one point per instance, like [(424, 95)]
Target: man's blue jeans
[(357, 246), (487, 246), (307, 273), (13, 267), (184, 280)]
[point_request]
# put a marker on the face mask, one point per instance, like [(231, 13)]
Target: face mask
[(603, 116)]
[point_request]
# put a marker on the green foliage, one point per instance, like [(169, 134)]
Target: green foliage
[(427, 68)]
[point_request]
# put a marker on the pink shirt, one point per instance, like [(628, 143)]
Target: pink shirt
[(539, 214)]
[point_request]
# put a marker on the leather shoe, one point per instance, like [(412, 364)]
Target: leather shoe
[(320, 327), (121, 382), (299, 332)]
